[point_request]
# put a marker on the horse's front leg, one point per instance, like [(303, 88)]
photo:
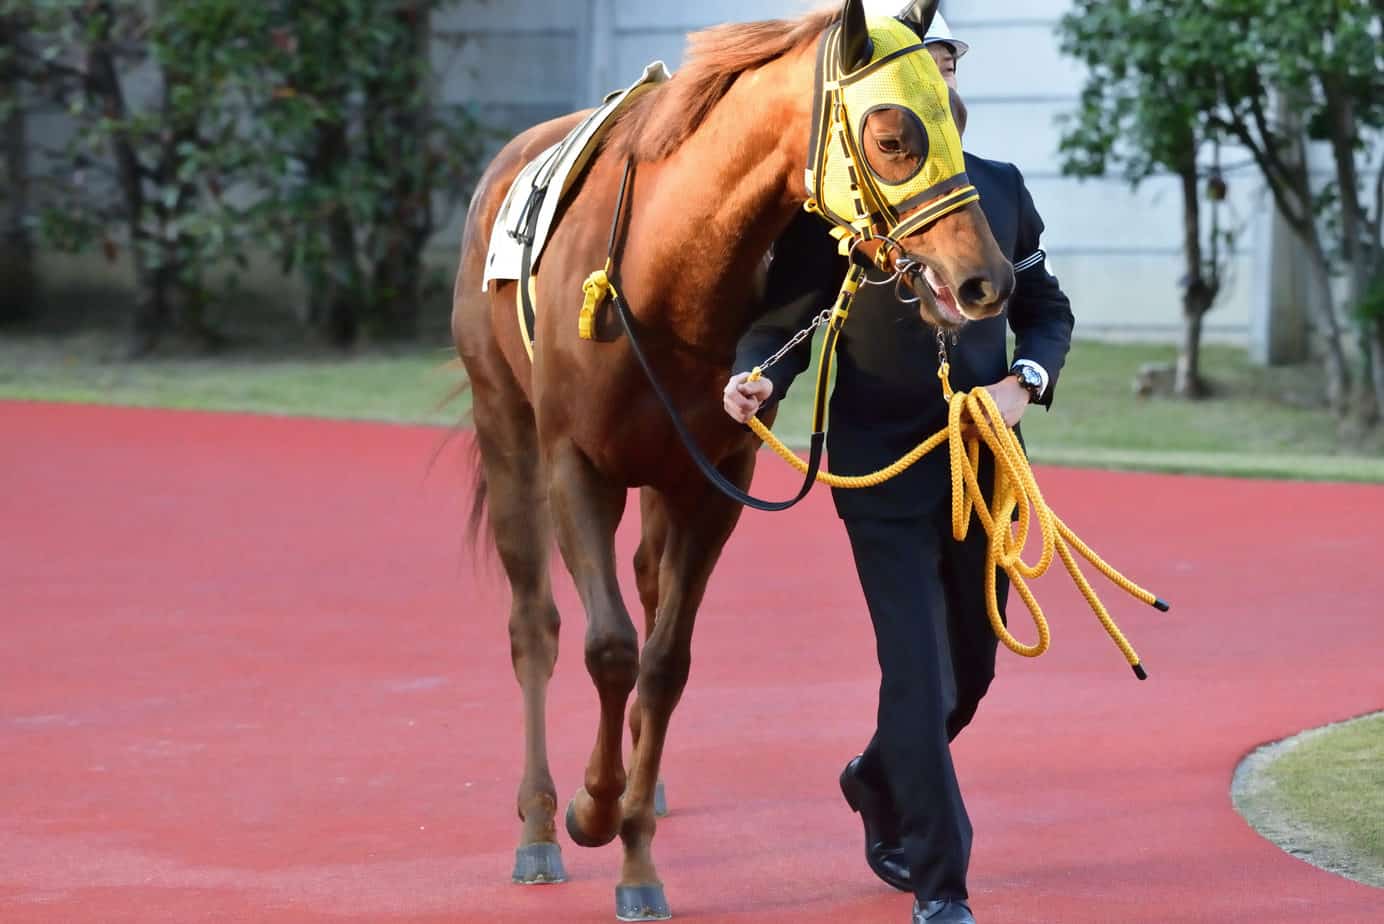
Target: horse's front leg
[(586, 508), (647, 562), (696, 530)]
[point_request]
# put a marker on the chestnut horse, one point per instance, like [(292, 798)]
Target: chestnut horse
[(720, 150)]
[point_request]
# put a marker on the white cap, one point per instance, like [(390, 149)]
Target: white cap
[(939, 32)]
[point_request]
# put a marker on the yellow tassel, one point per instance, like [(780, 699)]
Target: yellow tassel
[(597, 289)]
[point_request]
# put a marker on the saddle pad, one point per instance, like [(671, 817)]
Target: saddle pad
[(553, 171)]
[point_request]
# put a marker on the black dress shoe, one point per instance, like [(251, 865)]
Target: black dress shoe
[(945, 911), (883, 850)]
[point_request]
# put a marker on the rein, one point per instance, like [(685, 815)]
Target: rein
[(604, 284), (1015, 487)]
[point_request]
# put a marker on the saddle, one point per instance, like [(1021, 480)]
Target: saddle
[(526, 216)]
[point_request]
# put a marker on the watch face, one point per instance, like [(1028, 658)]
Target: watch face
[(1030, 379)]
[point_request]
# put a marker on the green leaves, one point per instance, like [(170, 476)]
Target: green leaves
[(304, 128), (1144, 106)]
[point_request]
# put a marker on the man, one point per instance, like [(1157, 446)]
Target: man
[(924, 590)]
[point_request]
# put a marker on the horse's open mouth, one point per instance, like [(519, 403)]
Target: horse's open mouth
[(943, 299)]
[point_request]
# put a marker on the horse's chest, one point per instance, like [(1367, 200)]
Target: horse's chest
[(613, 415)]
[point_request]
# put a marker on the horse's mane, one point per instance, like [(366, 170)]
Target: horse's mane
[(662, 119)]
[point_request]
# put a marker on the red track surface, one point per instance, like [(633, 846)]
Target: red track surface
[(248, 675)]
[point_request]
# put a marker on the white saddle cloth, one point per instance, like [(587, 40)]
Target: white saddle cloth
[(555, 170)]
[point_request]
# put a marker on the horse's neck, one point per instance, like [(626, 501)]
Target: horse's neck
[(710, 212)]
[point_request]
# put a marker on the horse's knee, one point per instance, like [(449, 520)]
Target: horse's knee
[(664, 675), (612, 659), (533, 629)]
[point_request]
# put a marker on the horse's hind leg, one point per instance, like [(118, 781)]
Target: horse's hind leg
[(653, 529), (696, 530), (520, 523), (587, 507)]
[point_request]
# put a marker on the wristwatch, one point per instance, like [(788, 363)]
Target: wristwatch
[(1030, 379)]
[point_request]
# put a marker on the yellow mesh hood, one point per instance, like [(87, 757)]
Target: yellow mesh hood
[(911, 82)]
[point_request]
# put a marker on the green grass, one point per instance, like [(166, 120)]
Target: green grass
[(400, 385), (1332, 784), (1261, 423)]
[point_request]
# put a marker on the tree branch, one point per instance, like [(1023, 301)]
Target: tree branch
[(1276, 182), (1261, 122)]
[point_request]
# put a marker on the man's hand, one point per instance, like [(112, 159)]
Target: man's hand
[(742, 398), (1011, 398)]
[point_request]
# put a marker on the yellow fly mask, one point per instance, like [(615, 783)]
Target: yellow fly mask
[(841, 184)]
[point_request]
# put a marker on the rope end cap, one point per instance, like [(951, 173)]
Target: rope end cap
[(1139, 671), (1160, 605)]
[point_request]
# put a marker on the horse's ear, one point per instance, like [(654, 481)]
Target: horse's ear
[(855, 36), (922, 13), (958, 111)]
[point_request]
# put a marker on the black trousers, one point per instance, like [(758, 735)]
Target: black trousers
[(926, 596)]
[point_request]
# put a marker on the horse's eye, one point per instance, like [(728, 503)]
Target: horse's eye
[(891, 145)]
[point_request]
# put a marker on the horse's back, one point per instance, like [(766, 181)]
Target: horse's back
[(495, 182), (471, 305)]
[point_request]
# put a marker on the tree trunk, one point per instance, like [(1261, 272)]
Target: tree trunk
[(1337, 369), (337, 289), (1198, 293), (152, 283), (1357, 252), (16, 246), (343, 301), (399, 149), (1282, 158)]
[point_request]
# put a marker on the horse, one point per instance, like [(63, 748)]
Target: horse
[(563, 435)]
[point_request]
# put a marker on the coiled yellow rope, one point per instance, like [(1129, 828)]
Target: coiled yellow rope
[(1015, 486)]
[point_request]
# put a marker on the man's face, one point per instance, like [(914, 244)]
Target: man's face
[(945, 57)]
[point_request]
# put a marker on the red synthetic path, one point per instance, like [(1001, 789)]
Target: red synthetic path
[(246, 675)]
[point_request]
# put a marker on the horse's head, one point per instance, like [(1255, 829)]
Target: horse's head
[(886, 164)]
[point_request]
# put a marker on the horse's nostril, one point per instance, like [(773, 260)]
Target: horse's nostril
[(977, 291), (982, 291)]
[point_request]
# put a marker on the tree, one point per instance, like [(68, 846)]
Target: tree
[(1318, 64), (359, 165), (1271, 76), (1344, 57), (142, 172), (1144, 111), (16, 244), (204, 127)]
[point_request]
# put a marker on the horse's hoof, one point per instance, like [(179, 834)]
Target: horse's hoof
[(539, 864), (660, 801), (579, 835), (641, 903)]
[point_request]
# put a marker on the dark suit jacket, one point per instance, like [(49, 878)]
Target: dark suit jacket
[(887, 396)]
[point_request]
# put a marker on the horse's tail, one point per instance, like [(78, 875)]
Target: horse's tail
[(476, 520)]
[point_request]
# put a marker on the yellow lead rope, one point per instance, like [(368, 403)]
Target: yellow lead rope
[(1015, 486)]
